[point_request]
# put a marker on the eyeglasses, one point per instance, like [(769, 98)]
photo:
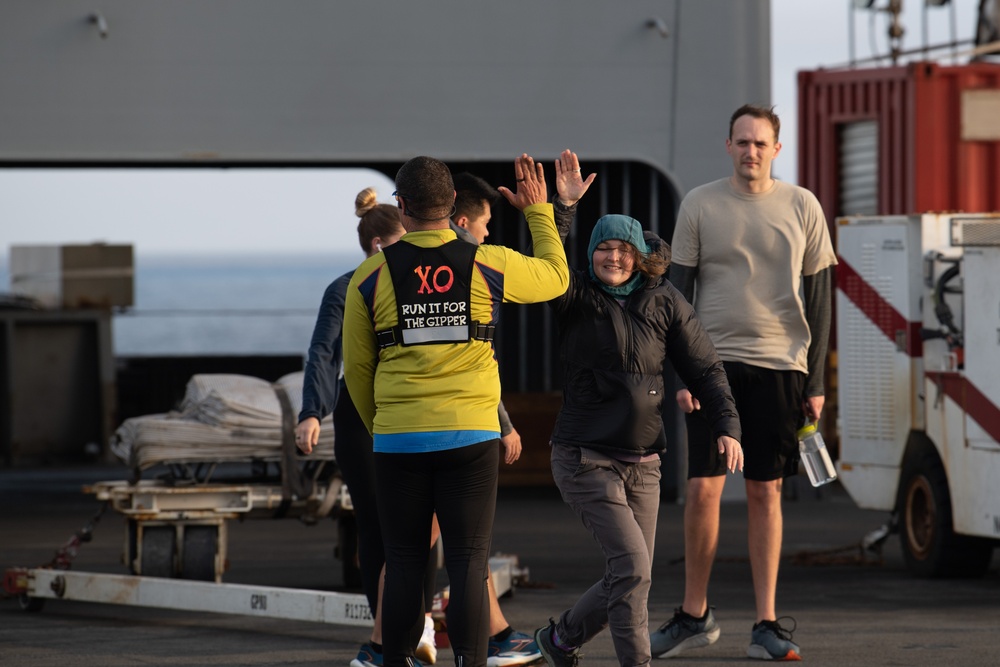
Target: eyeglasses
[(623, 249)]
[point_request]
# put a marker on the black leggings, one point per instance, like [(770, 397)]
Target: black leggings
[(353, 448), (461, 486)]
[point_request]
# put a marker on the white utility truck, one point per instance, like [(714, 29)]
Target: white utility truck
[(918, 376)]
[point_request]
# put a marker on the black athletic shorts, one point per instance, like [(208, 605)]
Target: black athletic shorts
[(770, 407)]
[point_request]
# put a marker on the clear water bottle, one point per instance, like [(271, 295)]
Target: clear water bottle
[(814, 455)]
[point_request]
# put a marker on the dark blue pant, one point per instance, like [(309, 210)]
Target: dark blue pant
[(352, 447)]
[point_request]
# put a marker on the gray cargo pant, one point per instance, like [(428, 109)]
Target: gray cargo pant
[(618, 502)]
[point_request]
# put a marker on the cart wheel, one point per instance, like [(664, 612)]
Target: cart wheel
[(29, 603), (159, 544), (347, 549), (201, 544), (931, 548), (132, 546)]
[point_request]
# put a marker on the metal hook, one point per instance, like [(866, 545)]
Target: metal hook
[(102, 25), (658, 24)]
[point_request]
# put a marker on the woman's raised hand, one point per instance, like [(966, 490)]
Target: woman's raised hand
[(569, 180)]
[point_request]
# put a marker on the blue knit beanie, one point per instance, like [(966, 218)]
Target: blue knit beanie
[(621, 228)]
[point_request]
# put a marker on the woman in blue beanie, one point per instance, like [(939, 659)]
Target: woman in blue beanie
[(620, 321)]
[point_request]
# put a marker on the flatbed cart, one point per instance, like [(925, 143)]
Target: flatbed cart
[(175, 550), (180, 531)]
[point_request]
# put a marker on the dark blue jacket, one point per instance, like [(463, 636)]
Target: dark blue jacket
[(321, 384)]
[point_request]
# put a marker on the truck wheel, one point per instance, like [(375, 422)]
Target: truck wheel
[(159, 544), (201, 544), (930, 546), (347, 549)]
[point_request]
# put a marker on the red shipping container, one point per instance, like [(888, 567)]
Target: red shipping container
[(929, 138)]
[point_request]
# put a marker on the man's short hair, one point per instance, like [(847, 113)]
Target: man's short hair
[(426, 186), (756, 111), (471, 193)]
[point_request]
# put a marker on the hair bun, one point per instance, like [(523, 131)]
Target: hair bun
[(365, 201)]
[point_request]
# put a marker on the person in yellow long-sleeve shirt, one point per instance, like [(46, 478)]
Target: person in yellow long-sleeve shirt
[(420, 366)]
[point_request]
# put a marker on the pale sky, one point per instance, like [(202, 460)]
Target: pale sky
[(203, 211), (809, 34), (291, 211)]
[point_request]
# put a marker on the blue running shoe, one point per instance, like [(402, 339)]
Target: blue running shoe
[(682, 633), (770, 641), (367, 657), (517, 649)]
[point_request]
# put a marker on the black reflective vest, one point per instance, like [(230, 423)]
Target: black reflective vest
[(433, 288)]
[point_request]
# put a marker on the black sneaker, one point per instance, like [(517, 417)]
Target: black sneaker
[(770, 641), (555, 656), (683, 632)]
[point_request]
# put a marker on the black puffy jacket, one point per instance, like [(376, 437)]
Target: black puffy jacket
[(614, 358)]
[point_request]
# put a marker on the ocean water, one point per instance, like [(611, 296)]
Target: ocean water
[(224, 304)]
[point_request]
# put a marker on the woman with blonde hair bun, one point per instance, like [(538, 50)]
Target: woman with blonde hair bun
[(379, 224), (324, 392)]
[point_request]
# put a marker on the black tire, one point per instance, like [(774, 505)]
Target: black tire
[(347, 550), (929, 543), (132, 545), (201, 545), (30, 604), (159, 547)]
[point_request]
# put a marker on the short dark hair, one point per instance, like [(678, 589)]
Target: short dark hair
[(471, 193), (426, 186), (757, 111)]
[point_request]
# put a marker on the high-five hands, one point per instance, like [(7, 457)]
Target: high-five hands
[(531, 188), (569, 181)]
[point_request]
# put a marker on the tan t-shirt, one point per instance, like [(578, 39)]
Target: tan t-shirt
[(751, 251)]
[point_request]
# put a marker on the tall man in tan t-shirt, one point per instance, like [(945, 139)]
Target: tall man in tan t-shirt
[(758, 251)]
